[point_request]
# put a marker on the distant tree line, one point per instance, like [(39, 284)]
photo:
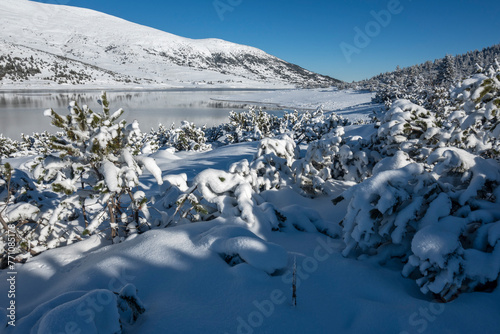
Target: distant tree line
[(17, 68), (440, 72), (61, 70)]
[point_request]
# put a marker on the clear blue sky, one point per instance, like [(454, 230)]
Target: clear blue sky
[(318, 35)]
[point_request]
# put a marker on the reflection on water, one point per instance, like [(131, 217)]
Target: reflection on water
[(22, 111)]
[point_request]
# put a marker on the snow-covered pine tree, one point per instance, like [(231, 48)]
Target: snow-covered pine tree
[(97, 161), (447, 72)]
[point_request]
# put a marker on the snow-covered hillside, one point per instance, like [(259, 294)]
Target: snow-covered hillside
[(22, 66), (122, 53)]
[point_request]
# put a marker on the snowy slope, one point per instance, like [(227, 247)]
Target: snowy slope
[(187, 287), (147, 55)]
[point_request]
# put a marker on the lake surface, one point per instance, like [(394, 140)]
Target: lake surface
[(22, 111)]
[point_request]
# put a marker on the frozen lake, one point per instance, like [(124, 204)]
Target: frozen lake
[(22, 111)]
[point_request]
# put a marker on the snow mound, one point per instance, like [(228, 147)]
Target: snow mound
[(238, 245), (95, 312), (399, 160), (433, 243), (305, 220)]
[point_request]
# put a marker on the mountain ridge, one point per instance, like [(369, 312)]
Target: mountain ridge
[(139, 55)]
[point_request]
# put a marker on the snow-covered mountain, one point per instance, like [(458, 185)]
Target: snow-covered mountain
[(44, 44)]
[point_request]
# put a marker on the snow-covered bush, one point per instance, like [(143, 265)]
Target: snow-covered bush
[(413, 89), (311, 126), (333, 157), (384, 210), (220, 194), (463, 255), (272, 162), (34, 144), (22, 206), (410, 128), (217, 193), (190, 138), (256, 125), (250, 126), (469, 120), (7, 147), (186, 138), (475, 116), (430, 219), (432, 201), (317, 166), (214, 193), (235, 194)]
